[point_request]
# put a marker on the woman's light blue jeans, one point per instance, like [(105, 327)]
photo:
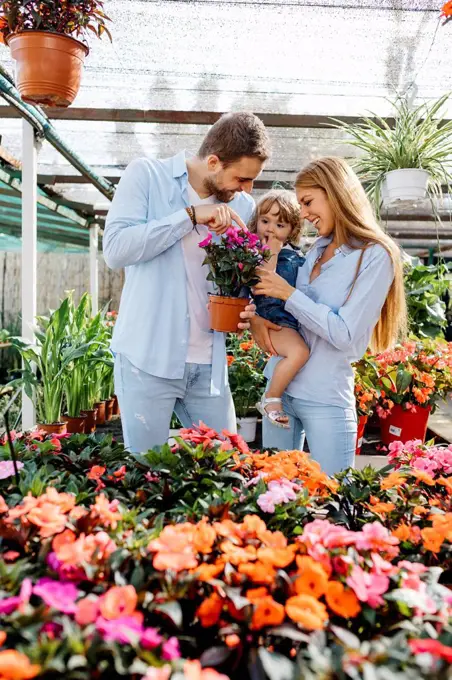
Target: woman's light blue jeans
[(330, 430)]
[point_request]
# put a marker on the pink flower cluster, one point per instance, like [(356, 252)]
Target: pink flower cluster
[(7, 468), (435, 460), (278, 491)]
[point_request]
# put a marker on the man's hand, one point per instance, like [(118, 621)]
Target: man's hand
[(260, 329), (248, 314), (217, 217)]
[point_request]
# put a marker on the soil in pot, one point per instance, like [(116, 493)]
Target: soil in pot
[(48, 66), (225, 312), (53, 428), (75, 425)]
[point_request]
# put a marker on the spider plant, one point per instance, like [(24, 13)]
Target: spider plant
[(419, 138)]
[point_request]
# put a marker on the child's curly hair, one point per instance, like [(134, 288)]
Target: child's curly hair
[(289, 211)]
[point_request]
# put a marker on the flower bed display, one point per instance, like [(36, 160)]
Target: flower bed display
[(206, 560)]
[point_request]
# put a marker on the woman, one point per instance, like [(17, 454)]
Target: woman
[(349, 296)]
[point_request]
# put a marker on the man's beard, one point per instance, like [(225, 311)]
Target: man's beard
[(222, 195)]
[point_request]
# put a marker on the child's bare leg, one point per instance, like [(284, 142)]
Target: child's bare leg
[(294, 353)]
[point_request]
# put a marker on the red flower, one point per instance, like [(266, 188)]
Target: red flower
[(433, 647), (446, 12)]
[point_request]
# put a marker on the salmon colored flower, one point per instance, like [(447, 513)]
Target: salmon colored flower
[(2, 637), (234, 554), (16, 666), (204, 537), (277, 557), (206, 572), (106, 512), (96, 472), (48, 518), (308, 612), (447, 10), (65, 538), (194, 671), (232, 640), (87, 611), (118, 601), (341, 601), (3, 505), (210, 610), (267, 612), (174, 548), (231, 359)]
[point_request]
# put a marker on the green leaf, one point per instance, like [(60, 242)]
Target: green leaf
[(173, 610)]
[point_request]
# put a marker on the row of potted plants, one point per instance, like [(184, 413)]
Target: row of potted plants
[(69, 368), (209, 561)]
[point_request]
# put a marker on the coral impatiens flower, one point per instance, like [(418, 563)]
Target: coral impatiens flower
[(118, 601), (194, 671), (16, 666), (312, 579), (174, 548), (210, 610)]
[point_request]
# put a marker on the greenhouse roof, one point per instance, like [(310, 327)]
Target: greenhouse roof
[(59, 225), (174, 66)]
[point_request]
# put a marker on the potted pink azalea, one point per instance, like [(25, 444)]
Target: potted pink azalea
[(232, 260)]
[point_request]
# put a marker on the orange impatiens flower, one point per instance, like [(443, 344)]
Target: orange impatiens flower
[(65, 538), (312, 579), (342, 601), (206, 572), (447, 10), (210, 610), (204, 537), (194, 671), (403, 532), (277, 557), (234, 554), (393, 480), (267, 612), (2, 637), (106, 512), (118, 601), (308, 612), (3, 506), (432, 539), (96, 472), (422, 476), (258, 572), (16, 666), (379, 507)]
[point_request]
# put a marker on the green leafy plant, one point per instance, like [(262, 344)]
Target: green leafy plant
[(246, 379), (419, 139), (425, 285), (75, 18)]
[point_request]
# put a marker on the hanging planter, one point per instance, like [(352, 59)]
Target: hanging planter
[(48, 67), (403, 425), (247, 428), (44, 39), (409, 184), (362, 422)]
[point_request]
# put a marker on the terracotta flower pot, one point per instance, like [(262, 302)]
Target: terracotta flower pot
[(53, 428), (100, 405), (75, 425), (90, 420), (116, 410), (401, 425), (109, 404), (225, 312), (48, 66), (362, 422)]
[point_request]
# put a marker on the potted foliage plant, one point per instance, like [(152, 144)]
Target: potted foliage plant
[(413, 377), (366, 394), (44, 37), (232, 261), (425, 286), (406, 161), (246, 379)]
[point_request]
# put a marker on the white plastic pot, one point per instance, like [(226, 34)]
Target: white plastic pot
[(247, 428), (409, 184)]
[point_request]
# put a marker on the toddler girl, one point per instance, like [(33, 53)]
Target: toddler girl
[(277, 222)]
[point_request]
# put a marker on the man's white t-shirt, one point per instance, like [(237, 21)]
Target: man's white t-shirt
[(200, 339)]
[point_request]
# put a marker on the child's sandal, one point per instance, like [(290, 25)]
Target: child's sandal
[(273, 415)]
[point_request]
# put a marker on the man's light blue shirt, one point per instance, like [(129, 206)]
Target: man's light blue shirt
[(144, 228)]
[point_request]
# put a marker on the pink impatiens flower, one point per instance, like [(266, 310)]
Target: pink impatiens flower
[(171, 649), (278, 491), (60, 596), (377, 538), (126, 629), (368, 587), (7, 468), (206, 241)]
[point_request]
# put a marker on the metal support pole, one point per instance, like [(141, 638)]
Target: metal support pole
[(30, 148), (94, 266)]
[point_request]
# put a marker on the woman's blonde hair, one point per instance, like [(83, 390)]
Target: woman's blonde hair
[(289, 212), (357, 227)]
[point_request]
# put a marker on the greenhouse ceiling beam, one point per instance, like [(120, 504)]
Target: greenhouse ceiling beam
[(45, 129), (288, 120), (48, 203)]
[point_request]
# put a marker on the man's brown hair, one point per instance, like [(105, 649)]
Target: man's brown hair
[(234, 136)]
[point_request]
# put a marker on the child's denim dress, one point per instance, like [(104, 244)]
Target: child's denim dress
[(289, 262)]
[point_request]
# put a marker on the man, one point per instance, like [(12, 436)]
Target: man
[(166, 356)]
